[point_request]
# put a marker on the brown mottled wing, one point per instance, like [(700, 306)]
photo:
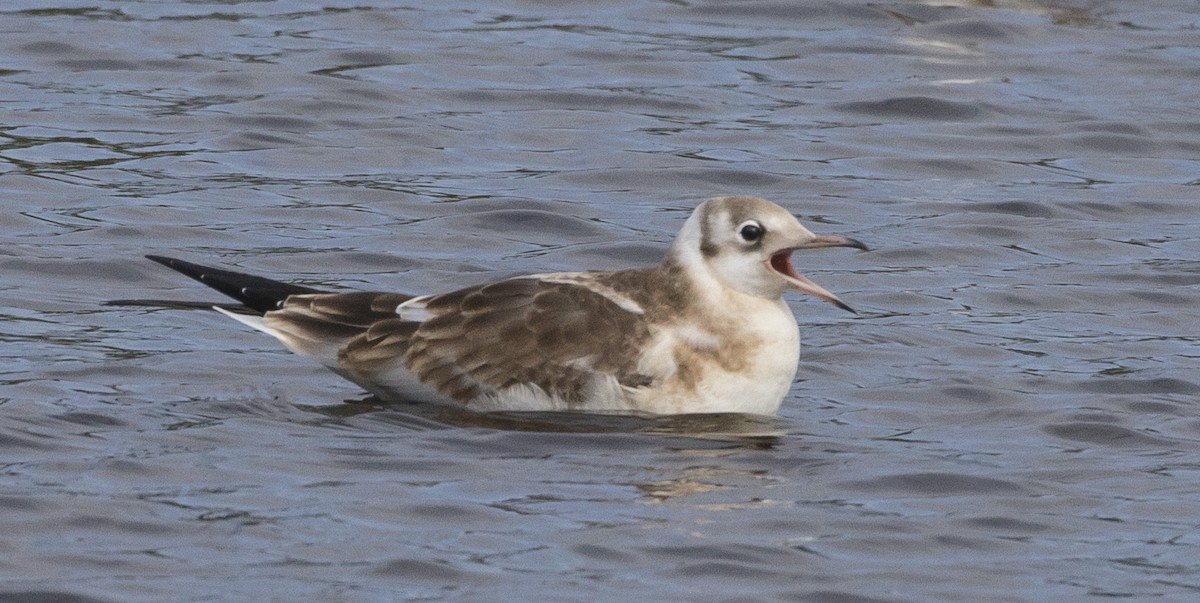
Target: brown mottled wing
[(477, 341), (320, 324)]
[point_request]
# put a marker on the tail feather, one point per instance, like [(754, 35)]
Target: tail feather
[(255, 292)]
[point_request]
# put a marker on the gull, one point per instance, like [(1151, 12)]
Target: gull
[(705, 331)]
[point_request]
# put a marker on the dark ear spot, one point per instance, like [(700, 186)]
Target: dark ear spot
[(707, 247)]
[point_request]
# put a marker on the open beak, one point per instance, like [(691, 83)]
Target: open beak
[(781, 262)]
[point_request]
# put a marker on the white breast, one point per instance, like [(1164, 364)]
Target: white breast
[(762, 387), (745, 364)]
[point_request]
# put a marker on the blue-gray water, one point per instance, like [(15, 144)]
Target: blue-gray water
[(1014, 415)]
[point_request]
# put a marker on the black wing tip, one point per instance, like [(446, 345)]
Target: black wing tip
[(195, 271), (165, 261), (255, 292)]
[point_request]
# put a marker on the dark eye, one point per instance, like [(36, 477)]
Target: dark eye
[(751, 231)]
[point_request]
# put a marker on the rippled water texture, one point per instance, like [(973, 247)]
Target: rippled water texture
[(1013, 416)]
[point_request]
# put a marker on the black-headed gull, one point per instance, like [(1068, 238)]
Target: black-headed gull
[(705, 331)]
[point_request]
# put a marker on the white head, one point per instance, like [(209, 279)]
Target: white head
[(747, 243)]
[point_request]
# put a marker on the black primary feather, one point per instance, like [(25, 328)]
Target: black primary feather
[(255, 292)]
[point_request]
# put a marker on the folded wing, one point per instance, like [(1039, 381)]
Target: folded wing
[(525, 336)]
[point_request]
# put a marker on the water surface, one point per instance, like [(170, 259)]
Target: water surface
[(1014, 415)]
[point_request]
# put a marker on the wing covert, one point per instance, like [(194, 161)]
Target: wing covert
[(561, 337)]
